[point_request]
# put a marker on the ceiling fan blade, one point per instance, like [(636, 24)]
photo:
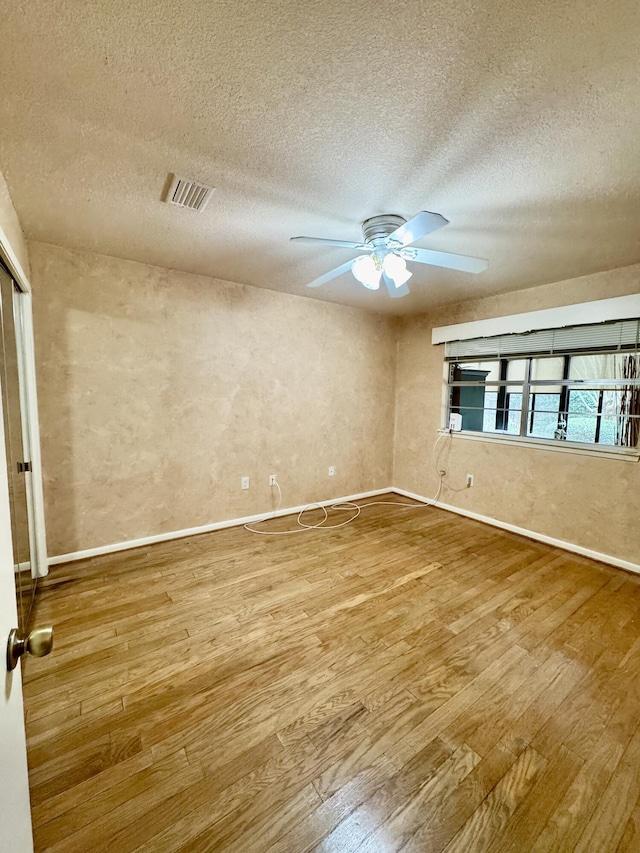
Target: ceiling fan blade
[(419, 226), (395, 292), (344, 244), (328, 276), (447, 260)]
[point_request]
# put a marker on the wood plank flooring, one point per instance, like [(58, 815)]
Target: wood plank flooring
[(414, 681)]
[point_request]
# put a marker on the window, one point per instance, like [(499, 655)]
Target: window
[(579, 384)]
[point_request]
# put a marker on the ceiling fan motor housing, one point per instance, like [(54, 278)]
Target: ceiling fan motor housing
[(377, 229)]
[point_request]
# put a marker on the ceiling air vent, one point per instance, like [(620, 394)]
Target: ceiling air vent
[(191, 194)]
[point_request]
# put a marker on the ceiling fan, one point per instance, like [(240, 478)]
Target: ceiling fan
[(388, 239)]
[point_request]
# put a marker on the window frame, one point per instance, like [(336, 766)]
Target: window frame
[(526, 386)]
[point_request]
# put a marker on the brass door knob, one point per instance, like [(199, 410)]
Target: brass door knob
[(38, 643)]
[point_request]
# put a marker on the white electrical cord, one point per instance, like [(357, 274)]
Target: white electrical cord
[(346, 506), (441, 472)]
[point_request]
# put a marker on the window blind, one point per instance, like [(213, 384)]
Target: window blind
[(598, 337)]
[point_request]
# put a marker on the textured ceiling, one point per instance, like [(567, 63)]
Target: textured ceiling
[(517, 120)]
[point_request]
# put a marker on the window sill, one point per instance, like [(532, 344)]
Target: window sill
[(631, 454)]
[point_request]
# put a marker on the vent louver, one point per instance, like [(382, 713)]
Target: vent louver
[(191, 194)]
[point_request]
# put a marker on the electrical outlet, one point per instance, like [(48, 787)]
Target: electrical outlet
[(272, 479), (469, 480), (332, 471), (244, 483)]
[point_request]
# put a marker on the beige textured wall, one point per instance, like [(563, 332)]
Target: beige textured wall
[(10, 224), (588, 501), (159, 390)]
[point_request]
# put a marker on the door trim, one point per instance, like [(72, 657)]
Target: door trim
[(23, 319), (12, 263)]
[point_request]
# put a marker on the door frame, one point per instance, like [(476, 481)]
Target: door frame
[(23, 319)]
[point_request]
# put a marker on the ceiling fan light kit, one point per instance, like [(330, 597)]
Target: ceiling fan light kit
[(388, 239)]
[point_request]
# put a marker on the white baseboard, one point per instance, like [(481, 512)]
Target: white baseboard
[(523, 531), (205, 528), (249, 519)]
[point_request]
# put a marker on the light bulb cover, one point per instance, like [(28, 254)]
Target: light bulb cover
[(401, 278), (396, 268), (393, 263), (366, 271)]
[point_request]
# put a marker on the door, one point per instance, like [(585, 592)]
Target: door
[(17, 580), (15, 816)]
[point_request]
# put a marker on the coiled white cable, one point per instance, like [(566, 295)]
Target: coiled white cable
[(343, 506)]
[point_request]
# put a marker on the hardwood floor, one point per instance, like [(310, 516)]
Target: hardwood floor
[(412, 681)]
